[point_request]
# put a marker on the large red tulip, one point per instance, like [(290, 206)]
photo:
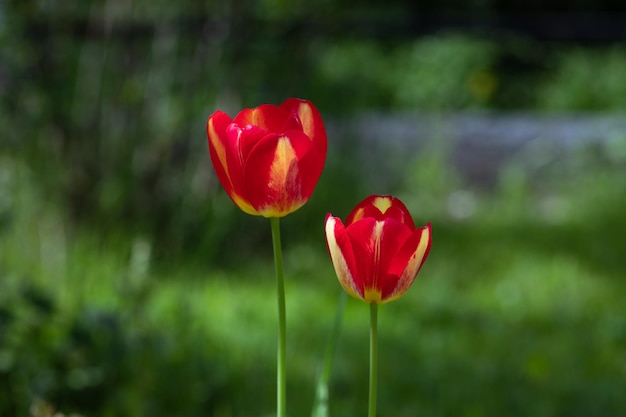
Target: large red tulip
[(269, 158), (379, 251)]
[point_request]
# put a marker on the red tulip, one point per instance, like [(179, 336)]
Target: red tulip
[(269, 158), (379, 251)]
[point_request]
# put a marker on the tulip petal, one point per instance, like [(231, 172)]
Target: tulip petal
[(250, 137), (342, 256), (375, 244), (388, 250), (266, 116), (223, 150), (281, 172), (216, 127), (363, 238), (399, 212), (408, 261), (311, 120), (381, 208), (393, 236)]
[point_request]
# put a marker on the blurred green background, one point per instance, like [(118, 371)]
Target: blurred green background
[(130, 285)]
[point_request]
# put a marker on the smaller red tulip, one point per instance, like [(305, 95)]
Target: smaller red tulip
[(269, 158), (379, 251)]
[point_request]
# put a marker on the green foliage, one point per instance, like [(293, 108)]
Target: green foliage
[(587, 80), (517, 311), (444, 72), (130, 285), (355, 72), (107, 106)]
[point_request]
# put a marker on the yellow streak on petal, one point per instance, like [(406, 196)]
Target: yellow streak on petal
[(373, 293), (257, 118), (283, 180), (244, 205), (284, 167), (382, 203), (416, 260), (219, 149), (358, 215), (306, 119), (339, 261)]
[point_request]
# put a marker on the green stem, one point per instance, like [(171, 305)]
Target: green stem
[(373, 359), (320, 405), (281, 386)]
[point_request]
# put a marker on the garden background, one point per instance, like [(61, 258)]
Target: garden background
[(130, 285)]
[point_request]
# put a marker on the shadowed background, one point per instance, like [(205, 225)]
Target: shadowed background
[(131, 285)]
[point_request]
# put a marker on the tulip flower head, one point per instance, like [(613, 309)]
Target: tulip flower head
[(379, 251), (269, 158)]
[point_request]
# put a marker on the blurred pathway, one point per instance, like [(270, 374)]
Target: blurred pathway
[(479, 144)]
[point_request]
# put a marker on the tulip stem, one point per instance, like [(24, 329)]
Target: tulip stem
[(281, 386), (373, 358), (320, 406)]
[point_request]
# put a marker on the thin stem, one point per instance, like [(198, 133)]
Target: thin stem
[(373, 359), (281, 386), (320, 406)]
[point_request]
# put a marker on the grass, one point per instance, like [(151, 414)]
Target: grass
[(514, 313)]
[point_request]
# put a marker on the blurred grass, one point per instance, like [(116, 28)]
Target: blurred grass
[(518, 311)]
